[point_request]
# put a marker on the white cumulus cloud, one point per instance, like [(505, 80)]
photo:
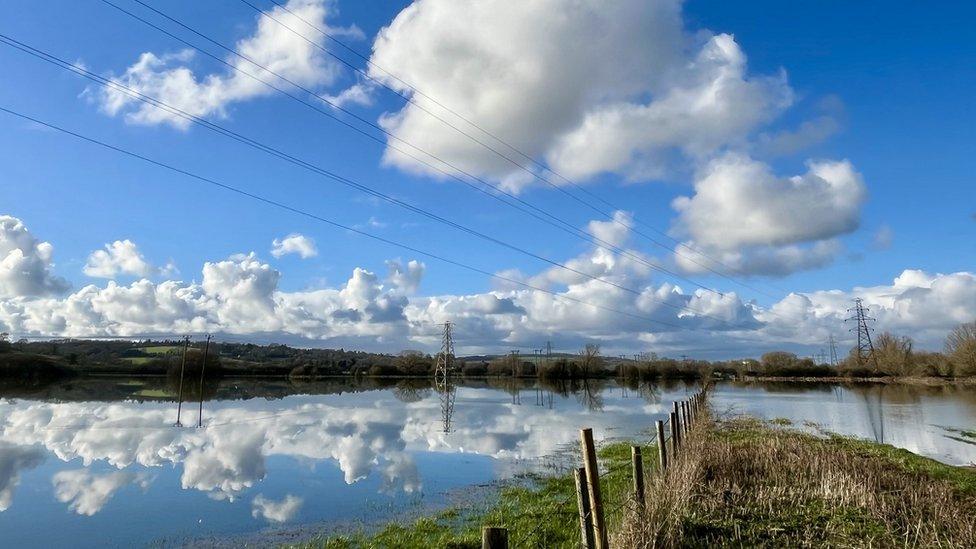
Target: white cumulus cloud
[(26, 262), (121, 257), (760, 223), (601, 87), (241, 295), (170, 79), (294, 243)]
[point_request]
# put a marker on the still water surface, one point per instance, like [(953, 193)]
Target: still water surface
[(102, 465)]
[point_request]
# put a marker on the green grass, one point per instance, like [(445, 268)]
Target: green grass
[(153, 393), (138, 360), (161, 349), (539, 511)]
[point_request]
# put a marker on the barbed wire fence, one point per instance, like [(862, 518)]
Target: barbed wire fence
[(591, 510)]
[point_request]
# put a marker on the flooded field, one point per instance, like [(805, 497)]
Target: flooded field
[(274, 460)]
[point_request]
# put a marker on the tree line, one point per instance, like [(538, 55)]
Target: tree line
[(893, 356)]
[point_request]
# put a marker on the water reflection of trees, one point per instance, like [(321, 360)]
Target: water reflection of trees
[(412, 390)]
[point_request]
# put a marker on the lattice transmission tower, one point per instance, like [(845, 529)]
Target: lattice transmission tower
[(832, 346), (443, 370), (865, 347)]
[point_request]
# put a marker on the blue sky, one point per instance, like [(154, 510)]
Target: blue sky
[(881, 86)]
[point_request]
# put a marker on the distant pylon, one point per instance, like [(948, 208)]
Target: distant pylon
[(445, 359), (832, 346), (865, 348), (443, 369)]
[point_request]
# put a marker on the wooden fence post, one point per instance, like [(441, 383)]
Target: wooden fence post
[(681, 420), (494, 538), (675, 437), (600, 536), (676, 426), (662, 450), (637, 460), (583, 502)]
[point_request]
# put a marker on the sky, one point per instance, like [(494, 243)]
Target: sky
[(700, 178)]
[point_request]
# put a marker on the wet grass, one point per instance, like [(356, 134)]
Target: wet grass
[(538, 511)]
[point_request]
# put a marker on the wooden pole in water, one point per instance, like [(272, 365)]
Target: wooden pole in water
[(583, 503), (203, 367), (600, 537), (662, 450), (494, 538), (638, 464), (179, 404)]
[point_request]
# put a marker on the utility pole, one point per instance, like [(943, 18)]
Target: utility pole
[(548, 352), (442, 376), (832, 346), (865, 348), (179, 405), (203, 367)]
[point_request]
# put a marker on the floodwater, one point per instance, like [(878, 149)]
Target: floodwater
[(100, 463)]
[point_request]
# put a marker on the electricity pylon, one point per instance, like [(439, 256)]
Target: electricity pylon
[(442, 376), (832, 346), (865, 348)]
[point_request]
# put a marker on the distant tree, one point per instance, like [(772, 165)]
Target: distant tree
[(960, 346), (4, 342), (413, 363), (777, 361), (893, 355), (590, 359)]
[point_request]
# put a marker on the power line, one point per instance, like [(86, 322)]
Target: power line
[(548, 218), (512, 148), (321, 171), (319, 218)]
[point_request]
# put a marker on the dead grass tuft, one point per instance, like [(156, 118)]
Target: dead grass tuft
[(744, 484)]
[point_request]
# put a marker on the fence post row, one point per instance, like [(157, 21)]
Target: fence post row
[(600, 536), (593, 528)]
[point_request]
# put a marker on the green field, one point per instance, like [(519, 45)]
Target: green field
[(161, 349)]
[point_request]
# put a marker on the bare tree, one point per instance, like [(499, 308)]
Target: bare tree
[(961, 347), (590, 359)]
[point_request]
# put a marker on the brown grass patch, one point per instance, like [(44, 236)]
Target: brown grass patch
[(743, 484)]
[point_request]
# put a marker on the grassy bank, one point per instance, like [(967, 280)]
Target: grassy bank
[(739, 483), (747, 484)]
